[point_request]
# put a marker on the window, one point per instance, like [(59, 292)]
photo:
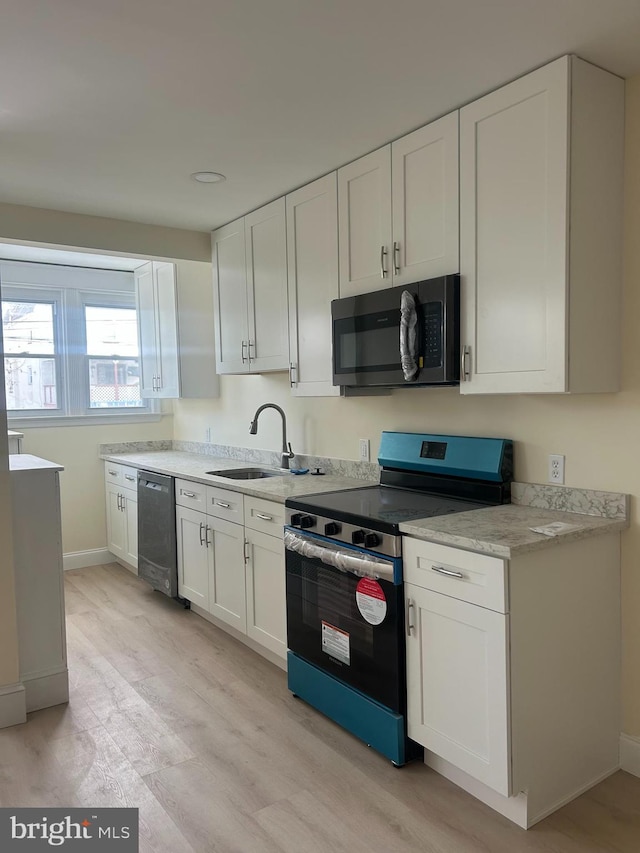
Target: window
[(70, 343)]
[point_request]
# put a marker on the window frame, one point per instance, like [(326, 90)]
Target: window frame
[(70, 345)]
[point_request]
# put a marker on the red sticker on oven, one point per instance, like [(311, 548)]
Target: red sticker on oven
[(371, 601)]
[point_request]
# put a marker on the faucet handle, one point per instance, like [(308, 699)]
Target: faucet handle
[(290, 454)]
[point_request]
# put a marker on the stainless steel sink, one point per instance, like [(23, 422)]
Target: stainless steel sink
[(246, 473)]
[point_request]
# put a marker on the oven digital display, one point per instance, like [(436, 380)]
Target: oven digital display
[(433, 449)]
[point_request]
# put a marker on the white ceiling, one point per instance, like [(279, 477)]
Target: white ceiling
[(107, 107)]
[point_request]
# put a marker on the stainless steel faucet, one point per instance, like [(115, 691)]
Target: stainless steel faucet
[(287, 452)]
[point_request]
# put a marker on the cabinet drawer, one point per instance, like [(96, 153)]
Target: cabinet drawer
[(476, 578), (129, 477), (225, 504), (265, 516), (113, 473), (191, 495)]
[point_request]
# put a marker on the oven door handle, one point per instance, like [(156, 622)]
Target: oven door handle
[(339, 558)]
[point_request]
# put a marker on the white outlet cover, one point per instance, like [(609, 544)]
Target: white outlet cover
[(556, 469)]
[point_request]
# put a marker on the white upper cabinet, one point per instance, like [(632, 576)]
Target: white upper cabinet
[(250, 292), (176, 341), (541, 232), (364, 216), (398, 211), (230, 298), (424, 195), (312, 250), (266, 242)]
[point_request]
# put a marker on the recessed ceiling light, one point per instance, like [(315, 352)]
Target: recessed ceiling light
[(208, 177)]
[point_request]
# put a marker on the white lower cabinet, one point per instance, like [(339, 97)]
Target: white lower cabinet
[(233, 570), (265, 589), (513, 669), (193, 556), (122, 514), (459, 712), (226, 573)]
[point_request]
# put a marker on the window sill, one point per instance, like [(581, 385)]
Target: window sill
[(88, 420)]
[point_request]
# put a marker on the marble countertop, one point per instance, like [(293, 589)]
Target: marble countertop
[(193, 466), (504, 531), (27, 462)]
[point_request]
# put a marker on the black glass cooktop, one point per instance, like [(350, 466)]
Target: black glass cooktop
[(380, 505)]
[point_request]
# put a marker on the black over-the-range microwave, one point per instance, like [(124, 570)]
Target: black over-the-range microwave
[(399, 336)]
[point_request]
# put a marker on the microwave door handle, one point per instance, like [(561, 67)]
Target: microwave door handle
[(408, 323)]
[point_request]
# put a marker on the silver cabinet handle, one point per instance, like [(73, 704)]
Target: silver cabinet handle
[(292, 381), (159, 388), (130, 478), (448, 572), (188, 494), (201, 529), (383, 255), (410, 625), (244, 346), (252, 357), (118, 501), (153, 382), (247, 554), (207, 531), (113, 473), (464, 364), (264, 517), (396, 257), (223, 504)]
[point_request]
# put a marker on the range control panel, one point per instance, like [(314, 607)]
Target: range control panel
[(351, 534)]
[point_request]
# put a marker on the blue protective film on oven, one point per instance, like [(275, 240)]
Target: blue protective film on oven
[(450, 455)]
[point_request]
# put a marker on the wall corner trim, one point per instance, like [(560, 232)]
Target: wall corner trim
[(13, 705), (81, 559), (630, 754)]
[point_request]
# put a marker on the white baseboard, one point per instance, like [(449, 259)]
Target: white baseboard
[(13, 706), (81, 559), (46, 690), (630, 754)]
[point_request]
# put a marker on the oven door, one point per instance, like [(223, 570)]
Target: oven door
[(345, 616)]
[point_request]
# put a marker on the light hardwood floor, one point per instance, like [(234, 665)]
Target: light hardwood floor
[(171, 715)]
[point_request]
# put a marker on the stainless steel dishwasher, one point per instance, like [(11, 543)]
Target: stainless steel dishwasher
[(157, 555)]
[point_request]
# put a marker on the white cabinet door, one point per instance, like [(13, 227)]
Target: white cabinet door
[(312, 251), (364, 217), (158, 329), (167, 330), (193, 556), (116, 522), (226, 572), (131, 523), (457, 684), (145, 302), (266, 245), (266, 597), (513, 234), (230, 298), (425, 202)]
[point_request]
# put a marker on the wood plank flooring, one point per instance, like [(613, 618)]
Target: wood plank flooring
[(172, 715)]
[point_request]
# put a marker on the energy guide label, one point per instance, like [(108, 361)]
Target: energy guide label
[(335, 643), (371, 601)]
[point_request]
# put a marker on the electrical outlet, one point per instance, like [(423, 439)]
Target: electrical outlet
[(364, 449), (556, 469)]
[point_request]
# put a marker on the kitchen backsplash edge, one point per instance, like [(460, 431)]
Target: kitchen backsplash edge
[(614, 505)]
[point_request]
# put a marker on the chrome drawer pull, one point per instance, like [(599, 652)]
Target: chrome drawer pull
[(129, 477), (449, 572), (188, 494), (201, 529), (222, 503), (264, 517), (113, 473)]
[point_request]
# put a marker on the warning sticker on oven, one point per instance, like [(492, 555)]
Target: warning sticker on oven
[(336, 643), (371, 601)]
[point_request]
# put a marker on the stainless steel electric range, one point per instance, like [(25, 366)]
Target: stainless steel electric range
[(345, 603)]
